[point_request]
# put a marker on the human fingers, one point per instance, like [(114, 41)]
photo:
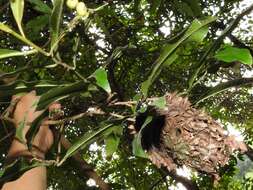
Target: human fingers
[(54, 106), (30, 96), (28, 101), (26, 107), (15, 97), (55, 110)]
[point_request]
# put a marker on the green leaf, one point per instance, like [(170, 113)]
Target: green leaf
[(145, 86), (170, 59), (230, 54), (199, 35), (137, 97), (184, 8), (111, 144), (34, 26), (40, 6), (101, 78), (195, 7), (116, 130), (2, 170), (20, 130), (83, 141), (24, 86), (159, 102), (5, 28), (55, 21), (14, 170), (154, 6), (17, 8), (86, 94), (61, 92), (137, 147), (169, 49), (4, 53), (21, 126), (35, 126)]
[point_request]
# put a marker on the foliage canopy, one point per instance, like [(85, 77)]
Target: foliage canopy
[(101, 64)]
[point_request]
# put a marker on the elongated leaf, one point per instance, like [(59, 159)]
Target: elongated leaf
[(61, 92), (84, 141), (23, 86), (101, 78), (111, 144), (5, 28), (169, 49), (4, 53), (116, 130), (170, 59), (137, 147), (230, 54), (55, 21), (39, 5), (155, 4), (20, 130), (113, 139), (184, 8), (17, 8), (51, 96), (14, 170), (199, 35), (33, 130), (34, 26), (195, 7), (159, 102)]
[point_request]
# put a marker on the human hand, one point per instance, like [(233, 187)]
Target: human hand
[(25, 110)]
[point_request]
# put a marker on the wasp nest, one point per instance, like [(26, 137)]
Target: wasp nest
[(182, 135)]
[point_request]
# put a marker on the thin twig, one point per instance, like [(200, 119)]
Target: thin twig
[(7, 119), (128, 103), (7, 136), (224, 86), (63, 64), (75, 117), (117, 115), (59, 144)]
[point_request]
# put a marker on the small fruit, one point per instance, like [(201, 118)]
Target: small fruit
[(72, 3), (81, 9)]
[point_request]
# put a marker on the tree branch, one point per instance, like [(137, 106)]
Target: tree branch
[(189, 184), (224, 86), (234, 39), (233, 24), (85, 167), (249, 152), (111, 77)]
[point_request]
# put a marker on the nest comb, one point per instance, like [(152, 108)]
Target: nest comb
[(182, 135)]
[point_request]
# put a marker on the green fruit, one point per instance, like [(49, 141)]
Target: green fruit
[(72, 3), (81, 9)]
